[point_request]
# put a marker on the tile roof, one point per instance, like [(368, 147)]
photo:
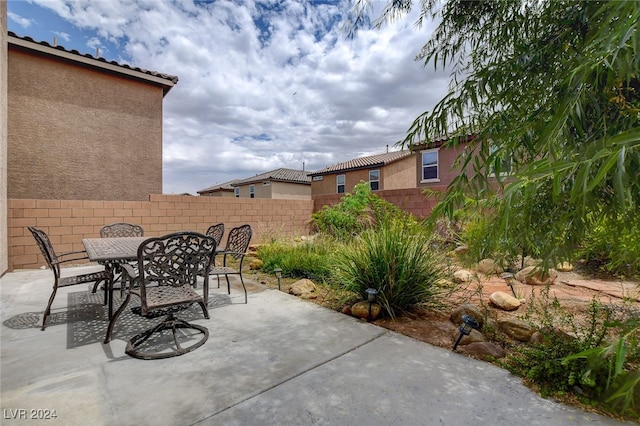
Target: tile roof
[(364, 162), (167, 80), (278, 175), (225, 186)]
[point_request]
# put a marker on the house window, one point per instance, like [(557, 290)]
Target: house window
[(340, 182), (267, 183), (374, 179), (236, 192), (252, 191), (430, 166)]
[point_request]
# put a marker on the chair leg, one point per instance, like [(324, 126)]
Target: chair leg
[(205, 311), (228, 284), (115, 316), (47, 311), (244, 288)]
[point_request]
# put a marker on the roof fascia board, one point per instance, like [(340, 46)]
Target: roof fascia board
[(92, 62)]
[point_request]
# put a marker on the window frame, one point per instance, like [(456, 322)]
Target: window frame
[(343, 184), (252, 191), (236, 192), (372, 181), (437, 165)]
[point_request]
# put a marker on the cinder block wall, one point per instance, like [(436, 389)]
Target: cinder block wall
[(69, 221), (411, 200)]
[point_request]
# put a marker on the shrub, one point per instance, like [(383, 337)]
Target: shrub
[(305, 260), (354, 213), (394, 259)]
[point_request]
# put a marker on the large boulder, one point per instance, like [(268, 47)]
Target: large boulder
[(504, 301), (486, 351), (463, 276), (534, 275), (361, 310), (489, 267), (516, 329), (304, 289), (474, 336), (466, 309)]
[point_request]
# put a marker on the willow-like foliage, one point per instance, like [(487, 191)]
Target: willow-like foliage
[(550, 88)]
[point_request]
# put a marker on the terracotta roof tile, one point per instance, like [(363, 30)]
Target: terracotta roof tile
[(364, 162), (278, 175), (225, 186)]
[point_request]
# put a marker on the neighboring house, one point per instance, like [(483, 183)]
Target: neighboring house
[(278, 184), (80, 127), (225, 189), (425, 165)]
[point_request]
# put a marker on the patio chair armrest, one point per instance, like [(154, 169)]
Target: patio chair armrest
[(75, 254), (130, 270)]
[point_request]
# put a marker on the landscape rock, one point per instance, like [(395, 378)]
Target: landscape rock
[(256, 264), (304, 289), (504, 301), (516, 329), (545, 334), (533, 275), (468, 309), (361, 310), (474, 336), (486, 351), (461, 250), (564, 267), (489, 267), (463, 276)]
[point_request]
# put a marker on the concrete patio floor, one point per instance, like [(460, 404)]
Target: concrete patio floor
[(277, 360)]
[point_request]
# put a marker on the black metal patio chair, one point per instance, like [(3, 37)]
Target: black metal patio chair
[(54, 261), (236, 249), (163, 279)]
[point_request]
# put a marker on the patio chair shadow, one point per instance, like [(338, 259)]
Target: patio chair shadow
[(86, 318)]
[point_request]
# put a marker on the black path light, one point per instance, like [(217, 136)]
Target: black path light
[(508, 278), (468, 323), (372, 294), (278, 273)]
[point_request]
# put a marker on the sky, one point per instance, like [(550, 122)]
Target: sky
[(262, 84)]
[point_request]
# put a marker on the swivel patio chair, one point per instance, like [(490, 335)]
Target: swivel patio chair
[(167, 268), (54, 261), (236, 249)]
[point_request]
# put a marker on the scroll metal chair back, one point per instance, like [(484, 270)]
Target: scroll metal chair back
[(236, 248), (216, 231), (166, 271), (121, 229), (54, 262)]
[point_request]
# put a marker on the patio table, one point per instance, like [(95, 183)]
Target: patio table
[(111, 251)]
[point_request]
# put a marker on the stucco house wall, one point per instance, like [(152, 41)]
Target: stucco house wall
[(80, 131), (399, 175), (4, 263), (290, 191)]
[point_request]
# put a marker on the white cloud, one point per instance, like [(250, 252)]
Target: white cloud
[(263, 85), (23, 22), (62, 35)]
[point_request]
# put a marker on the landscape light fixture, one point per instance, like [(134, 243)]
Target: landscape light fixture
[(372, 294), (508, 278), (468, 323), (278, 273)]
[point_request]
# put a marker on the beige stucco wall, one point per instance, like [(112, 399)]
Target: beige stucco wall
[(400, 174), (290, 191), (3, 138), (75, 132)]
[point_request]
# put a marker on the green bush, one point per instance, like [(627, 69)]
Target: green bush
[(354, 213), (613, 246), (396, 260)]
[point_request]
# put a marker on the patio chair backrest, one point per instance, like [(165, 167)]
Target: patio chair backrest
[(49, 254), (238, 241), (216, 231), (173, 260), (121, 229)]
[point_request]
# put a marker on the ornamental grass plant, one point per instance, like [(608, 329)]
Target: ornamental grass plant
[(395, 258)]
